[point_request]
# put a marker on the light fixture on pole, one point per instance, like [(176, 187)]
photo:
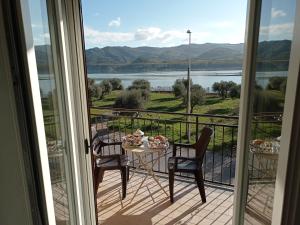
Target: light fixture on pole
[(188, 108)]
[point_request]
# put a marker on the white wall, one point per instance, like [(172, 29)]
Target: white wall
[(14, 198)]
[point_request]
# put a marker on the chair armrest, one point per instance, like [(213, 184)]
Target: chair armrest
[(184, 158), (112, 143), (175, 145), (184, 145)]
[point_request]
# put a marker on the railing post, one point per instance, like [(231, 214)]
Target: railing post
[(197, 128)]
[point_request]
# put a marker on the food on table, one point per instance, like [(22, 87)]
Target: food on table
[(257, 142), (139, 132), (265, 146), (133, 140), (158, 142)]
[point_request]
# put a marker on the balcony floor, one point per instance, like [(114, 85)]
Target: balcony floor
[(152, 206)]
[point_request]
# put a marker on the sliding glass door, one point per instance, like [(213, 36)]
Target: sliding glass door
[(266, 69), (51, 86), (58, 94)]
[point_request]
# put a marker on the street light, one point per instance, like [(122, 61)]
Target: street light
[(188, 108)]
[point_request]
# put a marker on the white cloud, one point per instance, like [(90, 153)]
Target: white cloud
[(277, 31), (155, 36), (115, 23), (96, 14), (147, 33), (277, 13), (96, 37), (168, 37)]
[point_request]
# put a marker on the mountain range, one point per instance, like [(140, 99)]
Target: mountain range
[(208, 56)]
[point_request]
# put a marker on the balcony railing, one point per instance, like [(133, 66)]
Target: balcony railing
[(219, 160)]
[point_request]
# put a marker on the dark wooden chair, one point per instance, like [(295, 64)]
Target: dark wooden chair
[(190, 165), (101, 163)]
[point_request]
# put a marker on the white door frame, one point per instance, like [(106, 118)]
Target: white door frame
[(246, 99), (70, 66), (71, 27), (34, 93), (248, 79), (287, 122)]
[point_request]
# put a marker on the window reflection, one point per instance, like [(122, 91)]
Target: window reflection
[(52, 104), (272, 60)]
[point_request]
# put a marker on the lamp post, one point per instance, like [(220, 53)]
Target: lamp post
[(188, 108)]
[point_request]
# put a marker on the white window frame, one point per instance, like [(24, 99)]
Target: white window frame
[(251, 36), (288, 122), (71, 67), (70, 21), (248, 82)]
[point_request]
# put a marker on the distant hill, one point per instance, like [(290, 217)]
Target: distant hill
[(207, 56)]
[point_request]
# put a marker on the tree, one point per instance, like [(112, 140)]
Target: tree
[(218, 88), (98, 92), (179, 88), (277, 83), (143, 86), (223, 87), (91, 89), (235, 91), (197, 96), (228, 85), (116, 84), (140, 84), (106, 87), (130, 99)]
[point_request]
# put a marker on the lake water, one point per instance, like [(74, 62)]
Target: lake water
[(165, 80)]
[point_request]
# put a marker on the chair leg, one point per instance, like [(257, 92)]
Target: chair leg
[(127, 173), (124, 181), (101, 174), (171, 185), (200, 184), (96, 180)]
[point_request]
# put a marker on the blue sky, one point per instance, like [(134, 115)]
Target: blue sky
[(162, 23), (277, 19)]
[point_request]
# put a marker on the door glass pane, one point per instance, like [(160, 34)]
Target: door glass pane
[(272, 60), (51, 88)]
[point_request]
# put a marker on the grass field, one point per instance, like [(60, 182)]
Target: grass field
[(174, 126), (166, 102)]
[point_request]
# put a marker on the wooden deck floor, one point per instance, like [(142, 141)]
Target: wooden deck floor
[(152, 206)]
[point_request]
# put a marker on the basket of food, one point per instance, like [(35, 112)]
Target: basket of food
[(158, 142), (265, 146), (133, 140)]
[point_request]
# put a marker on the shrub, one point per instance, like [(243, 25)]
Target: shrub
[(91, 88), (140, 84), (130, 99), (179, 88), (116, 84), (106, 87), (197, 96), (277, 83), (223, 87), (98, 92), (235, 91)]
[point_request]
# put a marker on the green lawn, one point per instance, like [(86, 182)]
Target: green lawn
[(166, 102), (174, 126)]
